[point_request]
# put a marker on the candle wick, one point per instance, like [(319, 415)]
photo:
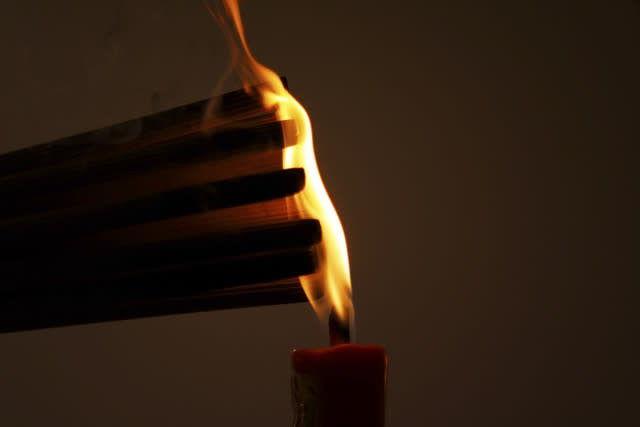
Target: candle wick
[(339, 330)]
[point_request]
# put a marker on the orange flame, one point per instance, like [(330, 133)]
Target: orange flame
[(329, 288)]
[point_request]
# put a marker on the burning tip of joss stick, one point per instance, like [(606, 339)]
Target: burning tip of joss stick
[(339, 330)]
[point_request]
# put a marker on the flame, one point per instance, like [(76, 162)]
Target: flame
[(330, 287)]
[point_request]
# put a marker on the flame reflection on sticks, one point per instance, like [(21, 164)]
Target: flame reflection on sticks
[(329, 289)]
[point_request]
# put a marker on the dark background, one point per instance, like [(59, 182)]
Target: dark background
[(481, 156)]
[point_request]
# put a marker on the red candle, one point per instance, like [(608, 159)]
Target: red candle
[(343, 385)]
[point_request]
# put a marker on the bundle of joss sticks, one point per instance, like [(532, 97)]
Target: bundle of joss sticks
[(158, 215)]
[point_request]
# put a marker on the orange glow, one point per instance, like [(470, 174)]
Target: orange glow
[(330, 287)]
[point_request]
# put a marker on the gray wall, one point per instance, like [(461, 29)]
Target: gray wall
[(480, 156)]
